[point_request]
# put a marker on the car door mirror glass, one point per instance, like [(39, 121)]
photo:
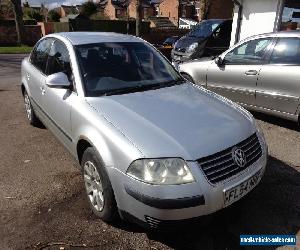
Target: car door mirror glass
[(58, 80), (219, 61)]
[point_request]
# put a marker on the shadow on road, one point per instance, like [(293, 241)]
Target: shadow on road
[(271, 208), (276, 120)]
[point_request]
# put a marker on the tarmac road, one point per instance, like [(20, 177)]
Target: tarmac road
[(43, 206)]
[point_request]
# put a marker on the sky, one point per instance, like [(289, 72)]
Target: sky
[(50, 4), (54, 3)]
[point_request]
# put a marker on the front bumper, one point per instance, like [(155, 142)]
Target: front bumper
[(159, 204), (179, 57)]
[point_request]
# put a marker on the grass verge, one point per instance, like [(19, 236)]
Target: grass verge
[(15, 50)]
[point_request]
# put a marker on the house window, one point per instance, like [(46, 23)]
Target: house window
[(290, 19), (119, 13)]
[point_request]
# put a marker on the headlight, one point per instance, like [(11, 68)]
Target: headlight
[(166, 171), (192, 47), (259, 130)]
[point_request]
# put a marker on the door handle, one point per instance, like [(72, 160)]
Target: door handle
[(43, 90), (251, 73), (28, 76)]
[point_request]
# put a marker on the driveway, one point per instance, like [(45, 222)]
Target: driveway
[(43, 206)]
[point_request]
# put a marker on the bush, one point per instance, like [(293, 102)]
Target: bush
[(89, 8), (53, 16), (30, 13), (99, 16)]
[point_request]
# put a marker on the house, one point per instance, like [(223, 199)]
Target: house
[(119, 9), (73, 17), (253, 17), (66, 10), (196, 10)]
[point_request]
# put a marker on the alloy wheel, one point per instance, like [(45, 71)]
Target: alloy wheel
[(93, 186), (27, 106)]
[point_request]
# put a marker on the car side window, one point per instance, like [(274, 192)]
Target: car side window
[(286, 51), (40, 54), (59, 59), (251, 52)]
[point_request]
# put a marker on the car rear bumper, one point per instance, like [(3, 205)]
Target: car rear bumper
[(161, 205)]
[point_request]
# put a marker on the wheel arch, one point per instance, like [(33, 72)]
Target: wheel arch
[(23, 89), (98, 143), (82, 144)]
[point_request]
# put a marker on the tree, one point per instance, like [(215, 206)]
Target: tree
[(207, 4), (44, 11), (89, 8), (138, 20), (53, 16), (17, 8), (6, 9), (26, 4), (33, 14)]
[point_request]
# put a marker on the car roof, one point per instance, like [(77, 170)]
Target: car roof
[(77, 38), (294, 33)]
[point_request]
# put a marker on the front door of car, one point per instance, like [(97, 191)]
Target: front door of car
[(219, 40), (236, 77), (279, 81), (56, 102), (35, 76)]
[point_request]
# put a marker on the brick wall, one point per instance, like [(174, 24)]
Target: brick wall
[(8, 35), (132, 8), (110, 10), (169, 8), (222, 9)]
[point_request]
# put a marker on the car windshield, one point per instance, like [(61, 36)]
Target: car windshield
[(171, 40), (122, 67), (205, 28)]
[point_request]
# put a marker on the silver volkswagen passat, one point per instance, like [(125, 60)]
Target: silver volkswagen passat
[(260, 73), (152, 147)]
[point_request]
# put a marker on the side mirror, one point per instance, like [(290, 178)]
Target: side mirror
[(219, 61), (58, 80)]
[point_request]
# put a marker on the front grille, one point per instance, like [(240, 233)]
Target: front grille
[(221, 166)]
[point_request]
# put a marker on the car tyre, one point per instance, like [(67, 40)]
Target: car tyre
[(188, 77), (31, 116), (98, 187)]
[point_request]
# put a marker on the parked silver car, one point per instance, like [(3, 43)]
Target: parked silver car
[(151, 145), (261, 73)]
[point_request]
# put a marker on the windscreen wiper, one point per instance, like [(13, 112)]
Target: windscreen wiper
[(138, 88), (172, 82)]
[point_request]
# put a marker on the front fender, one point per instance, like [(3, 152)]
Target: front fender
[(114, 148), (196, 69), (24, 69)]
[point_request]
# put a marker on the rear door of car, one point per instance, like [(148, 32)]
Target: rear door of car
[(278, 86), (36, 72), (57, 102), (237, 77)]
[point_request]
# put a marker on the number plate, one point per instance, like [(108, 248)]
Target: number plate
[(237, 192)]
